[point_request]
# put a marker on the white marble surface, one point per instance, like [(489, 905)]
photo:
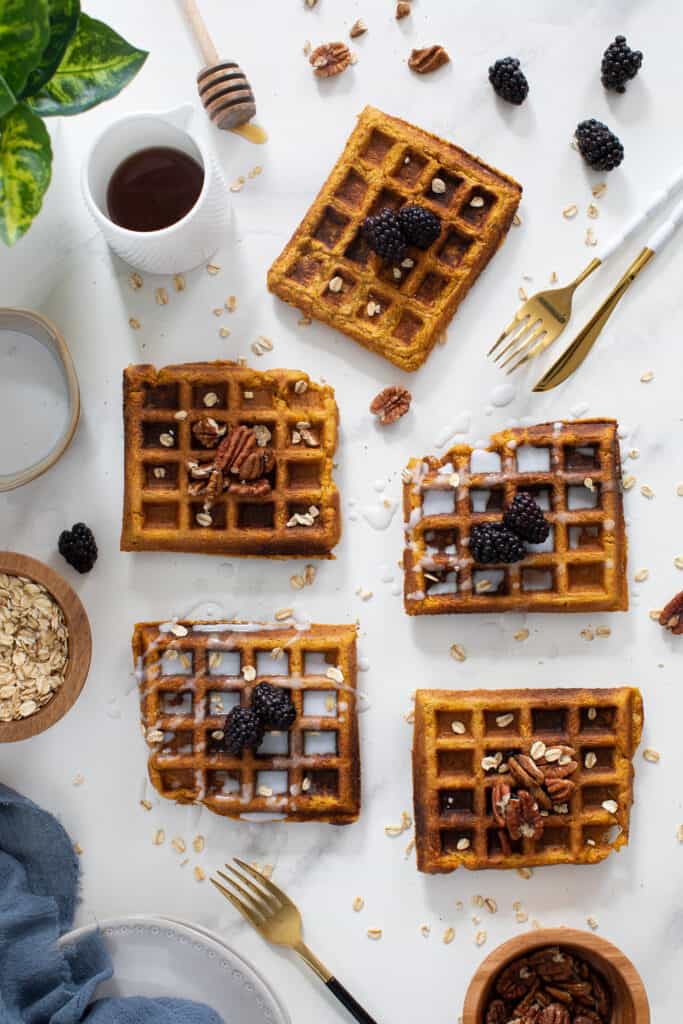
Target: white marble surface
[(64, 269)]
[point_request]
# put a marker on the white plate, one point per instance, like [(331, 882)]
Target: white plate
[(160, 957)]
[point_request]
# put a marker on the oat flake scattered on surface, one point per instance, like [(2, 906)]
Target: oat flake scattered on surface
[(34, 647)]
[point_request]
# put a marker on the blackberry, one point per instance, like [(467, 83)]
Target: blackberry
[(243, 728), (78, 546), (493, 542), (599, 147), (273, 706), (508, 80), (383, 234), (525, 518), (619, 64), (419, 225)]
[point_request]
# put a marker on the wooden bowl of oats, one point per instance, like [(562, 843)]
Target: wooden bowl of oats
[(45, 647)]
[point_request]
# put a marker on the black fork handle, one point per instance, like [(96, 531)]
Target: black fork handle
[(347, 1000)]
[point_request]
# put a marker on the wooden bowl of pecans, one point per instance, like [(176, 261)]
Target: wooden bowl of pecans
[(556, 976), (45, 647)]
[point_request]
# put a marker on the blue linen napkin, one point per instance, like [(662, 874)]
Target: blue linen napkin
[(39, 982)]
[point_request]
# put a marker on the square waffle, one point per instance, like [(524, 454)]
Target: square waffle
[(192, 673), (388, 163), (573, 470), (160, 511), (456, 729)]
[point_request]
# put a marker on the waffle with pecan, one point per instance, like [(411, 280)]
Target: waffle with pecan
[(523, 778), (572, 470), (223, 459), (398, 312), (192, 674)]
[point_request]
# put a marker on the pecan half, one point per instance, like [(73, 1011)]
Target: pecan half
[(523, 818), (208, 431), (555, 1013), (358, 28), (560, 789), (516, 980), (525, 770), (391, 403), (255, 464), (500, 798), (253, 489), (234, 449), (430, 58), (601, 995), (553, 965), (671, 616), (402, 9), (330, 59), (496, 1013), (560, 771)]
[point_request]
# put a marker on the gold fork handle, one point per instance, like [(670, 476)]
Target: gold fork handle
[(335, 986), (586, 272)]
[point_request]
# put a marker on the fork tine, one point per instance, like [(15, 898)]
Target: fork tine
[(505, 333), (527, 325), (269, 901), (525, 345), (237, 904), (541, 346), (272, 888), (255, 905)]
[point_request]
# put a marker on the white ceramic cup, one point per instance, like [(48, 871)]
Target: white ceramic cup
[(188, 242)]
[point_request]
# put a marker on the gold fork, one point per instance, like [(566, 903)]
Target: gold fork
[(539, 322), (271, 912)]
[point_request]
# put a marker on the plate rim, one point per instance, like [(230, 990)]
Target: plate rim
[(184, 926)]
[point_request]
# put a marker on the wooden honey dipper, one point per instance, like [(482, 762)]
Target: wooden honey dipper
[(223, 87)]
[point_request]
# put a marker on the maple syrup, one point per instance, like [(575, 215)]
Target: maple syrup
[(154, 188)]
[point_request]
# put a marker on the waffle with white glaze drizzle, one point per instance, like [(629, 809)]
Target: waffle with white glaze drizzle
[(572, 469), (388, 163), (455, 730), (286, 507), (190, 676)]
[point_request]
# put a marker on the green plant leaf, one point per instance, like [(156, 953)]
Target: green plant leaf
[(25, 170), (97, 64), (7, 97), (63, 16), (24, 34)]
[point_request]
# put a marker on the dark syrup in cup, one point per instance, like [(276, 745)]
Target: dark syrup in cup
[(154, 188)]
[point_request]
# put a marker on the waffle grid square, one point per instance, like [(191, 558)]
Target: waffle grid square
[(187, 765), (388, 163), (160, 514), (452, 790), (583, 567)]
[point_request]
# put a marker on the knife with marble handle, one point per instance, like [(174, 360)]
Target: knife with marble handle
[(574, 354)]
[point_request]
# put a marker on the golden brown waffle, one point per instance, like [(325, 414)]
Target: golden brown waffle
[(572, 469), (388, 163), (192, 673), (160, 512), (456, 729)]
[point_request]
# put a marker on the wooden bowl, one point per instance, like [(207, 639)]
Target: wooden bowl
[(80, 647), (629, 998)]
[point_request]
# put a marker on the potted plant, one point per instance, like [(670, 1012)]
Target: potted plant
[(54, 61)]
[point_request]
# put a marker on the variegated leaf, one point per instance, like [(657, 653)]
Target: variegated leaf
[(25, 170), (24, 34), (64, 16)]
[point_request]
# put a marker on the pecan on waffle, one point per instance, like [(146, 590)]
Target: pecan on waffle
[(523, 778), (572, 470), (222, 459), (388, 163), (191, 674)]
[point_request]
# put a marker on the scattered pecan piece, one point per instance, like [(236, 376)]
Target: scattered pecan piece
[(516, 980), (500, 798), (391, 403), (402, 9), (523, 818), (430, 58), (208, 431), (525, 770), (330, 59), (560, 789), (358, 28), (671, 616), (496, 1013), (251, 489), (555, 1013)]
